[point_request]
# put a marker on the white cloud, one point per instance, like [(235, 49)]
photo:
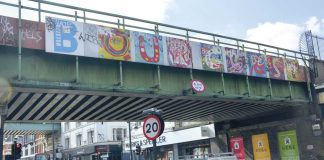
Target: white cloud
[(313, 24), (282, 34), (278, 34)]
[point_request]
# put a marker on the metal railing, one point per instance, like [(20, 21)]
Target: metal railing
[(160, 28), (318, 46)]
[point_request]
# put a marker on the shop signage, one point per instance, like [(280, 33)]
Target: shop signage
[(153, 127), (237, 146), (261, 149), (102, 148), (198, 86), (81, 151), (288, 145), (143, 142), (172, 137)]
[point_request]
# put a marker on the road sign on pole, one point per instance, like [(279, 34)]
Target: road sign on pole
[(153, 127)]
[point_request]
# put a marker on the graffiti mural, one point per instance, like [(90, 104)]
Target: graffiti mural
[(62, 36), (212, 57), (114, 44), (302, 73), (8, 31), (33, 33), (179, 53), (292, 69), (257, 64), (91, 41), (276, 67), (235, 61), (148, 48)]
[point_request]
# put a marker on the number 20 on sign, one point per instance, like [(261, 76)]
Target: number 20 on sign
[(152, 127)]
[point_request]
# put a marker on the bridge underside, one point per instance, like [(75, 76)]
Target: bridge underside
[(30, 128), (31, 104)]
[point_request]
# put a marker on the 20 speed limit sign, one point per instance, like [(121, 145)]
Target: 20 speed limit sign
[(153, 127)]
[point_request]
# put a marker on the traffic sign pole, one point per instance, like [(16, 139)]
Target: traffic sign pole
[(153, 127), (154, 149)]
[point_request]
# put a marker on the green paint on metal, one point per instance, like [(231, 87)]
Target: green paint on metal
[(98, 71), (309, 84), (279, 89), (77, 69), (48, 67), (248, 86), (41, 69), (138, 76), (223, 84), (174, 80), (19, 40), (8, 61), (121, 78), (235, 84), (158, 77), (212, 81), (270, 88), (290, 92), (299, 90), (258, 87), (191, 74)]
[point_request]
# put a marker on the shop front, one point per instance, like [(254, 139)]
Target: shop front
[(170, 145), (195, 149), (95, 152)]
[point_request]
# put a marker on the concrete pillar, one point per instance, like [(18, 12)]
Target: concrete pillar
[(175, 151)]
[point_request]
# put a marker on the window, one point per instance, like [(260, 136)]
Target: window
[(90, 137), (67, 143), (125, 133), (119, 134), (26, 152), (78, 124), (25, 139), (32, 150), (79, 139), (137, 125), (66, 126)]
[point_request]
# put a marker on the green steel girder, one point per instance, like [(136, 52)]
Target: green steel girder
[(46, 70)]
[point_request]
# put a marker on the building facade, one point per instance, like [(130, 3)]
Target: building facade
[(179, 140), (38, 144), (93, 140)]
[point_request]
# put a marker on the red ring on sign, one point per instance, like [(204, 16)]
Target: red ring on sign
[(202, 91), (159, 127)]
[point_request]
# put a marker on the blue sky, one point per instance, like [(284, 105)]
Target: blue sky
[(275, 22), (235, 17)]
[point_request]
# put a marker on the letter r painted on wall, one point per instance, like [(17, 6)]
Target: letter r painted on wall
[(64, 40)]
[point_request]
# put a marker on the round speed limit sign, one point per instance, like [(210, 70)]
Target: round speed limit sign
[(152, 127)]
